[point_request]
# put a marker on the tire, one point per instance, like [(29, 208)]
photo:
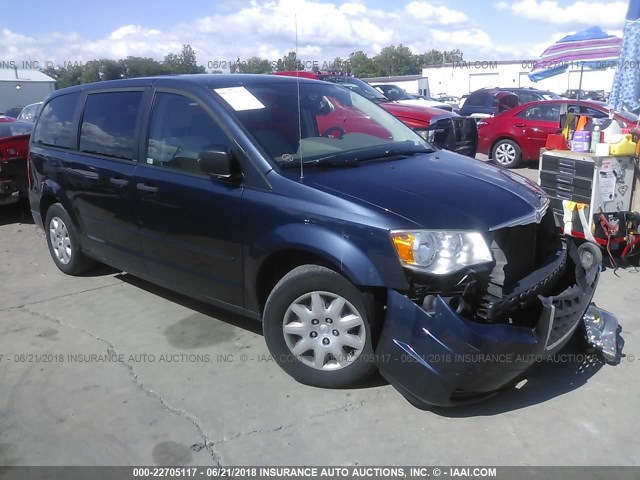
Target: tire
[(339, 352), (63, 242), (507, 153)]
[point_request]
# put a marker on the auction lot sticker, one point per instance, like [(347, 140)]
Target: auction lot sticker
[(239, 98)]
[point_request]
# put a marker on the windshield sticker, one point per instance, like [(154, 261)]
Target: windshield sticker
[(287, 157), (239, 98)]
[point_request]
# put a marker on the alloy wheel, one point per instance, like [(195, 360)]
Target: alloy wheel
[(60, 241)]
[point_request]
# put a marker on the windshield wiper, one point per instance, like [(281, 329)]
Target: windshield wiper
[(351, 158)]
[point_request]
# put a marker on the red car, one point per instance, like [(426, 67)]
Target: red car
[(517, 135), (14, 146), (443, 129)]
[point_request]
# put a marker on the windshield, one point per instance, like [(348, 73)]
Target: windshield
[(324, 124), (396, 93), (631, 117), (358, 86), (551, 96)]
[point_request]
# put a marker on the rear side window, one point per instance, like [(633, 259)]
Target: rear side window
[(476, 100), (56, 121), (109, 124), (545, 112), (526, 97)]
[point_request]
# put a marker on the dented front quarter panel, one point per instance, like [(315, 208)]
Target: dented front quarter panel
[(445, 359)]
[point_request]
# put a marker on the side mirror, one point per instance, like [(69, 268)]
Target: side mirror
[(216, 161)]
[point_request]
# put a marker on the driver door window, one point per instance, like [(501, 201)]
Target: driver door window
[(180, 130)]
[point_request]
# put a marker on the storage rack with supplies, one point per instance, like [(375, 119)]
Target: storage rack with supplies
[(581, 186)]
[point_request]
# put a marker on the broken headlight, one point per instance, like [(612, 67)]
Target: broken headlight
[(440, 252)]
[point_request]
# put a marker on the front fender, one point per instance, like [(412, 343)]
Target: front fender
[(363, 263)]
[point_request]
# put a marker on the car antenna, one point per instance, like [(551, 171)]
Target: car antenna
[(295, 18)]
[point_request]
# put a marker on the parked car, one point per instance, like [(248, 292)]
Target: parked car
[(12, 112), (443, 129), (14, 146), (596, 95), (518, 134), (356, 252), (398, 94), (30, 112), (449, 99), (491, 101)]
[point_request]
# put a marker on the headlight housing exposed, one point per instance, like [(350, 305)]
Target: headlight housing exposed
[(440, 252)]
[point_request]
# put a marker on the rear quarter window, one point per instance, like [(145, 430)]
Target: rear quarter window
[(476, 100), (526, 97), (109, 124), (55, 125)]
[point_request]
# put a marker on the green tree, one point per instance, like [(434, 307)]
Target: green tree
[(183, 62), (396, 60), (337, 65), (437, 57), (254, 65), (141, 67), (454, 55), (362, 66), (69, 76), (289, 62)]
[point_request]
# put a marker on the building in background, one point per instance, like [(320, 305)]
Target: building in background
[(464, 77), (461, 78), (19, 88)]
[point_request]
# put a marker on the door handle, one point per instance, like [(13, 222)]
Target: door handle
[(146, 188), (519, 125), (119, 182)]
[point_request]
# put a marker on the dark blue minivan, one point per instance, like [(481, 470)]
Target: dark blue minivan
[(307, 207)]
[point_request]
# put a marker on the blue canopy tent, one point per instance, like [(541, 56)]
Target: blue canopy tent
[(625, 92), (590, 48)]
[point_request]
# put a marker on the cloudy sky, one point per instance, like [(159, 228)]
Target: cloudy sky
[(82, 30)]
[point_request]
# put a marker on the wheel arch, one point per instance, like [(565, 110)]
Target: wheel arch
[(500, 138), (321, 247), (52, 193)]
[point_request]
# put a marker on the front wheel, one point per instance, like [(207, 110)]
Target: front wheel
[(317, 328), (507, 153)]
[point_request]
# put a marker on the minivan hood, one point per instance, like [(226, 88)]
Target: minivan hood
[(440, 190)]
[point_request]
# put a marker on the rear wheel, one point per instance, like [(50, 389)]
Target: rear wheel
[(507, 153), (63, 242), (317, 327)]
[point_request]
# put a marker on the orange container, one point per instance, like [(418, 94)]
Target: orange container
[(556, 141)]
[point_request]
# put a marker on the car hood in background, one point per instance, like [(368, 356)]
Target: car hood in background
[(426, 103), (440, 190), (414, 116)]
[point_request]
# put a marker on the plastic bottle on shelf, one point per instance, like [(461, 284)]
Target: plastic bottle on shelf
[(595, 138)]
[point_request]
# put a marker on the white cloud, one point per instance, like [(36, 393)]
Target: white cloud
[(583, 13), (353, 8), (438, 14), (267, 28)]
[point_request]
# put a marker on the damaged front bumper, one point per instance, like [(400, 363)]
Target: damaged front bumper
[(441, 358)]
